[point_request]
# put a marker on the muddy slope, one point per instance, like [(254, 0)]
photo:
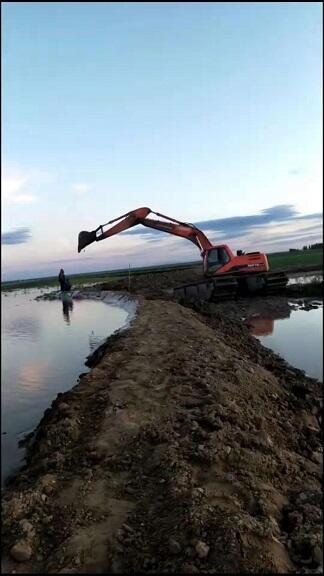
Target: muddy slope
[(188, 448), (159, 284)]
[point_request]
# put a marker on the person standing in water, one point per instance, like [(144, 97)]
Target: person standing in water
[(64, 282), (61, 279)]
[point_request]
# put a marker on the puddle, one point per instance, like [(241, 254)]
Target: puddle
[(295, 333), (44, 346), (305, 279)]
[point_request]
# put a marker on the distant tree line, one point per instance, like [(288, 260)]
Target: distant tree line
[(310, 247)]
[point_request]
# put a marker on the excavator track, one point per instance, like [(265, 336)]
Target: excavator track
[(214, 290), (231, 287), (276, 282)]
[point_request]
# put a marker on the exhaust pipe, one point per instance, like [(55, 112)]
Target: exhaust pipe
[(85, 238)]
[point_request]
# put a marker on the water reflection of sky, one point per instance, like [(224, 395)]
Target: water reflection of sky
[(298, 339), (306, 279), (25, 326), (43, 352), (33, 374)]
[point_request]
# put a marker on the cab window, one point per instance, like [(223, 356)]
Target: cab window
[(216, 258)]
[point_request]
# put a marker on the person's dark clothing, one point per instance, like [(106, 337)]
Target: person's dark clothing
[(64, 282), (67, 285), (61, 279)]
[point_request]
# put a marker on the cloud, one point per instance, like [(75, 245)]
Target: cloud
[(273, 229), (70, 260), (80, 188), (295, 172), (239, 225), (13, 189), (17, 236)]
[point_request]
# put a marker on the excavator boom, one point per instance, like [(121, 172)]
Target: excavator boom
[(139, 216), (226, 273)]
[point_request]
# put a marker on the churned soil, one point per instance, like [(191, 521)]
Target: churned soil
[(188, 448), (155, 284), (160, 284)]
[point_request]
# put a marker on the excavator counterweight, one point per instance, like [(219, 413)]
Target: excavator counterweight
[(226, 274)]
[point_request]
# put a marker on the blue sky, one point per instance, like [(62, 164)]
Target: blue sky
[(208, 112)]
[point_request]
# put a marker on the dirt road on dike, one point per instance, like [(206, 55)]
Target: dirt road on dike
[(188, 448)]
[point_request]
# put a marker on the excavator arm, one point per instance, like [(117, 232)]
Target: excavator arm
[(140, 216), (226, 274)]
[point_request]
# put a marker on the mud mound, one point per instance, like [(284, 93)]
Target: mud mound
[(161, 284), (188, 448), (155, 284)]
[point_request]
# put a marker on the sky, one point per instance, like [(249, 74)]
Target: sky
[(208, 112)]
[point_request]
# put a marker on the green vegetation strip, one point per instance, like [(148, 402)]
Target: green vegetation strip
[(288, 261), (296, 260), (92, 277)]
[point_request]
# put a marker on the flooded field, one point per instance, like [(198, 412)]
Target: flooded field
[(296, 334), (44, 347), (305, 278)]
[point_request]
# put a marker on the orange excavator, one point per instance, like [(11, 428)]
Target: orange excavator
[(225, 274)]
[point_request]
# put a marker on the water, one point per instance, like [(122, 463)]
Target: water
[(305, 278), (43, 351), (298, 338)]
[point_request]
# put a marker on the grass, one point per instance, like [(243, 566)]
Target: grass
[(91, 277), (289, 261), (52, 282), (298, 260)]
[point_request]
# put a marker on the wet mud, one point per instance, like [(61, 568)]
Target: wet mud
[(188, 448)]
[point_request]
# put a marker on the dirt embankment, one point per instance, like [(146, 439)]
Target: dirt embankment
[(188, 448), (155, 284), (161, 284)]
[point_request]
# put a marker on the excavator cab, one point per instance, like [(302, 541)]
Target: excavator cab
[(215, 258)]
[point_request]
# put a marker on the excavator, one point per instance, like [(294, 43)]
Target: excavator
[(225, 275)]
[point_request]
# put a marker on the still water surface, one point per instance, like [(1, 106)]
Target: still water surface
[(298, 338), (44, 348), (43, 351)]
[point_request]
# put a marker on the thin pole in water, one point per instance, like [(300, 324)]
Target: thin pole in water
[(129, 278)]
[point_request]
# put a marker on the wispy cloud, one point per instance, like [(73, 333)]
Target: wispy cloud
[(274, 229), (80, 188), (239, 225), (13, 189), (295, 172), (16, 236)]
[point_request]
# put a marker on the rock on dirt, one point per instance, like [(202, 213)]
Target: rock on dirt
[(202, 549), (21, 551)]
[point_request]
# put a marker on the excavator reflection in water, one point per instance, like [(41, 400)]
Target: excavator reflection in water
[(226, 275), (262, 324)]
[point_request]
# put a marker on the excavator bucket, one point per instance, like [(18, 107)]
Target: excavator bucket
[(85, 238)]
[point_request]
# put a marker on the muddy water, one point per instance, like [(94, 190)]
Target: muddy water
[(305, 278), (296, 336), (43, 350)]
